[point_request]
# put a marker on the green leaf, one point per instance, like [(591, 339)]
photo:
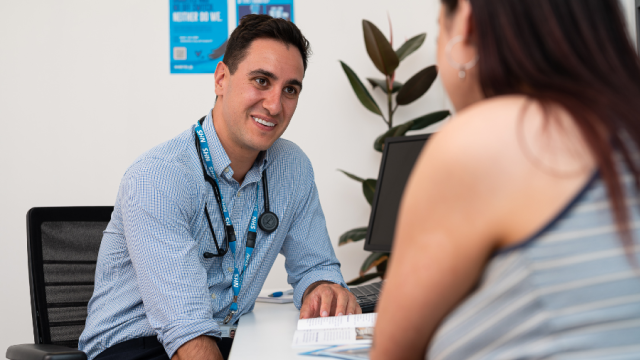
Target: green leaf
[(398, 130), (361, 92), (372, 261), (429, 119), (383, 85), (369, 189), (417, 86), (379, 49), (410, 46), (352, 176), (359, 280), (353, 236)]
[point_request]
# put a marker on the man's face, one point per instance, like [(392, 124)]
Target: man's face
[(259, 99)]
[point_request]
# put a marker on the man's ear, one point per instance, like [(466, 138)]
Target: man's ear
[(221, 77)]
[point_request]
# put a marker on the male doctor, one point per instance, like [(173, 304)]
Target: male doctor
[(200, 219)]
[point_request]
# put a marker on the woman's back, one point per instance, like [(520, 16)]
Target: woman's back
[(546, 92), (568, 292)]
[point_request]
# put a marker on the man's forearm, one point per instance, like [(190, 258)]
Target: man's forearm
[(200, 348)]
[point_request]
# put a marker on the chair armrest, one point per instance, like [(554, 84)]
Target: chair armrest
[(43, 352)]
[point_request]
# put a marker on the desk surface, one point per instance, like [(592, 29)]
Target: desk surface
[(267, 333)]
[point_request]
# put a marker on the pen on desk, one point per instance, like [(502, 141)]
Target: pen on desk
[(280, 293)]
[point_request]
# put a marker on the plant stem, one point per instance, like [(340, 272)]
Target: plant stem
[(389, 103), (395, 108)]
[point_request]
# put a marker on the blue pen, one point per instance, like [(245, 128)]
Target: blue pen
[(280, 293)]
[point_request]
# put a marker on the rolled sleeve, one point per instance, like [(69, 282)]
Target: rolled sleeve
[(307, 248), (171, 280), (184, 331)]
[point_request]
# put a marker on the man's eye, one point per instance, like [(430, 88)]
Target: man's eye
[(290, 90), (261, 81)]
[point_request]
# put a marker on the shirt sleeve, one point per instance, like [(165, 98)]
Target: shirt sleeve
[(309, 255), (157, 211)]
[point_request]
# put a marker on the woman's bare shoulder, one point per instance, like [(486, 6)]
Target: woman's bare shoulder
[(484, 133), (504, 152)]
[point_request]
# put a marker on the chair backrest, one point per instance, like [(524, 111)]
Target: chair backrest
[(63, 244)]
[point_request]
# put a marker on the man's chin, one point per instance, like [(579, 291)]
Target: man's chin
[(264, 143)]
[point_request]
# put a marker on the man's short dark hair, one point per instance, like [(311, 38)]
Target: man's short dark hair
[(254, 27)]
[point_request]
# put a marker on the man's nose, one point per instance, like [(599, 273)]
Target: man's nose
[(273, 102)]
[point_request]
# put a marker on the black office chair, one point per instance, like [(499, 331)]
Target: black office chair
[(63, 244)]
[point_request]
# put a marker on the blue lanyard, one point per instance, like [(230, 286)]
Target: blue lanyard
[(251, 235)]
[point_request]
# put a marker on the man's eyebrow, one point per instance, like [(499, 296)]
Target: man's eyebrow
[(263, 72), (273, 76), (295, 82)]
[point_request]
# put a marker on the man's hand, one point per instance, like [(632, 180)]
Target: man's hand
[(325, 298), (200, 348)]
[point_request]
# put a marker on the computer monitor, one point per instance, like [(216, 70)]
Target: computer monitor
[(398, 157)]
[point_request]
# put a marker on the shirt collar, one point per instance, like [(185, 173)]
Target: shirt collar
[(220, 158)]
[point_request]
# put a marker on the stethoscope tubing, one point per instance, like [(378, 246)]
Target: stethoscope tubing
[(268, 221)]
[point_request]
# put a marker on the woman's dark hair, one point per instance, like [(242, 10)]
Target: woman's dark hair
[(254, 27), (575, 53)]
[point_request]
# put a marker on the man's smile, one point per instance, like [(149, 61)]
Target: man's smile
[(263, 122)]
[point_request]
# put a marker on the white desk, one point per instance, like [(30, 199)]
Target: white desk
[(267, 333)]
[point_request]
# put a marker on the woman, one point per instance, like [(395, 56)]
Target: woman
[(516, 237)]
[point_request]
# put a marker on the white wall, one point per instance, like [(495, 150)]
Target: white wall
[(85, 88)]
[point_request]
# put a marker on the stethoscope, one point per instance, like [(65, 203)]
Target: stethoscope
[(268, 221)]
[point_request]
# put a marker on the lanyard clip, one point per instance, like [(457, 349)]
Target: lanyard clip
[(228, 318)]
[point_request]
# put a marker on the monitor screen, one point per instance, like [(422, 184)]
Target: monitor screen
[(398, 158)]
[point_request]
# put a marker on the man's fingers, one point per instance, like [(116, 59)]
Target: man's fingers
[(326, 299), (352, 304), (342, 301), (309, 308), (358, 309), (304, 310), (329, 300)]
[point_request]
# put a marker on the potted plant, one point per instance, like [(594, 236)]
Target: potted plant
[(387, 60)]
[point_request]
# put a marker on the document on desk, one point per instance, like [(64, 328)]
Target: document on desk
[(335, 330)]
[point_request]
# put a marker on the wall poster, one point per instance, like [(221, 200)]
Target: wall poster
[(198, 31), (276, 8)]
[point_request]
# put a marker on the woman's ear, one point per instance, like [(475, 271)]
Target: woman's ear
[(464, 22)]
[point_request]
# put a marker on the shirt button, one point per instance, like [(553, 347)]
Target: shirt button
[(213, 296), (226, 169), (230, 269), (239, 195)]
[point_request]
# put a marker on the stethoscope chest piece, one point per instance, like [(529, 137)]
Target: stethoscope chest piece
[(268, 221)]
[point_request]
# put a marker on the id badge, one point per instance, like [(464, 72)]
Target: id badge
[(227, 330)]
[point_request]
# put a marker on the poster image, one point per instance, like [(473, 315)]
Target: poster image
[(276, 8), (198, 31)]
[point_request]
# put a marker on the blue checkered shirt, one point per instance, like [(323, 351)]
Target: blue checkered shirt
[(151, 277)]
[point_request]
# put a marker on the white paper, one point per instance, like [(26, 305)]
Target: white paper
[(337, 322), (361, 335), (284, 299)]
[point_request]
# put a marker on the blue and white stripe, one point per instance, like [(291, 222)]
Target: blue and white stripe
[(569, 292)]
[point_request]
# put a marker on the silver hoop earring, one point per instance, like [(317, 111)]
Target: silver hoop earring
[(462, 68)]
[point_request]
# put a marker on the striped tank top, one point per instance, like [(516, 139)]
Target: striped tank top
[(568, 292)]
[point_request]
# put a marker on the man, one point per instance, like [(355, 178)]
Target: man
[(164, 283)]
